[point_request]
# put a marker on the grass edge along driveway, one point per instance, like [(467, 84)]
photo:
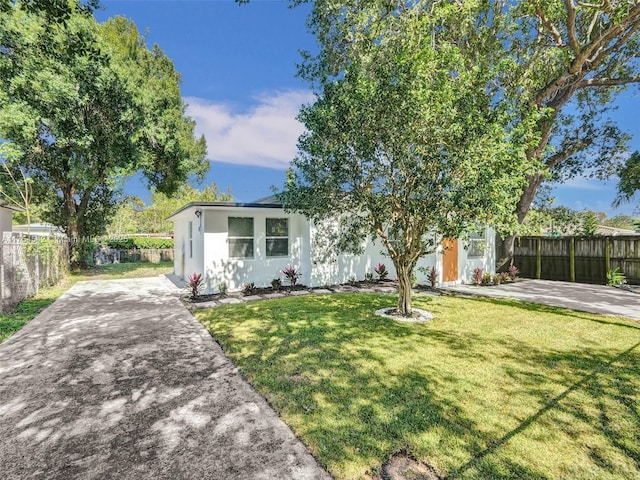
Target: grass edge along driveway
[(27, 309), (489, 389)]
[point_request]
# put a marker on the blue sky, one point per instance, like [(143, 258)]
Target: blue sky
[(238, 66)]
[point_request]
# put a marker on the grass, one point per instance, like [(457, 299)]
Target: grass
[(30, 307), (490, 389)]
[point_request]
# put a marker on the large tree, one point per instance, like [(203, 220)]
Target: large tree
[(571, 59), (89, 105), (405, 143), (568, 60)]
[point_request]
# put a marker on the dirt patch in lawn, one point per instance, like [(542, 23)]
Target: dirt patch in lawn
[(402, 467)]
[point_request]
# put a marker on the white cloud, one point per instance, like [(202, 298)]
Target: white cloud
[(264, 135)]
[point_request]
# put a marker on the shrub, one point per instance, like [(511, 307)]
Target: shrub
[(513, 272), (432, 276), (486, 279), (368, 277), (292, 275), (505, 277), (195, 282), (381, 271), (138, 243), (615, 277), (477, 276), (497, 279), (276, 284), (248, 288), (222, 288)]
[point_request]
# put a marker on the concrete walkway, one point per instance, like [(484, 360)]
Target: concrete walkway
[(117, 380), (577, 296)]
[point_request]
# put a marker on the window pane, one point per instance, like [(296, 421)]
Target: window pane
[(476, 248), (277, 247), (241, 247), (241, 226), (277, 227)]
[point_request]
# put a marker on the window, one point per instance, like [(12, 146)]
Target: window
[(190, 236), (477, 245), (241, 237), (277, 237)]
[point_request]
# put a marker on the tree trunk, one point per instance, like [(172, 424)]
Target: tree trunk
[(76, 252), (505, 255), (404, 288)]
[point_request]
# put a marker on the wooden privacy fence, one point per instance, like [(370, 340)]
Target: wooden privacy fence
[(578, 259)]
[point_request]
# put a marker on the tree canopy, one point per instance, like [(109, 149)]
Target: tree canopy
[(629, 179), (133, 216), (567, 61), (404, 142), (88, 105)]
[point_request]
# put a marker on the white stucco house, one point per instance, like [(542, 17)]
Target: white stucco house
[(238, 243)]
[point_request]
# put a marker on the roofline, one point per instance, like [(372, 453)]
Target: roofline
[(225, 204), (14, 208)]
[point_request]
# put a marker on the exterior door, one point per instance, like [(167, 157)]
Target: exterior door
[(450, 260)]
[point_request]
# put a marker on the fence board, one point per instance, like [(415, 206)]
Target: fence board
[(590, 261), (28, 263)]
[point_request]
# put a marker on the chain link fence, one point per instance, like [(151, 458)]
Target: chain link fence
[(30, 263)]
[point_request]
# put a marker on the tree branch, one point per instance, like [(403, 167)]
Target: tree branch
[(571, 26), (607, 82), (550, 26)]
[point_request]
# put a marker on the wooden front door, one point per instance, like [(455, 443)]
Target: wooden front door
[(450, 260)]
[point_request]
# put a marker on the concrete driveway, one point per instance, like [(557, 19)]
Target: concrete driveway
[(577, 296), (117, 380)]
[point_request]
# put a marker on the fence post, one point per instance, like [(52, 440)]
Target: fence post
[(572, 258), (607, 258), (539, 257)]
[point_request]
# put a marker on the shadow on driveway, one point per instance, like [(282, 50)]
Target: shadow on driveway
[(117, 380)]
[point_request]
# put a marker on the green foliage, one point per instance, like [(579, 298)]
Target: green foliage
[(276, 284), (589, 223), (488, 390), (137, 243), (629, 179), (626, 222), (133, 217), (615, 277), (222, 288), (89, 105), (405, 139)]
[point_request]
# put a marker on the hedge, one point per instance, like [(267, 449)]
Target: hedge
[(137, 243)]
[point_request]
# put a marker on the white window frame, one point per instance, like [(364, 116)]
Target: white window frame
[(234, 237), (476, 245), (276, 237), (190, 238)]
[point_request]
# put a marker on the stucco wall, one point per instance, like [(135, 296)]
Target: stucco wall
[(185, 264), (6, 216), (260, 269), (309, 253)]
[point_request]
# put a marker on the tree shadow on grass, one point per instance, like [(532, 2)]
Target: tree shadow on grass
[(337, 371)]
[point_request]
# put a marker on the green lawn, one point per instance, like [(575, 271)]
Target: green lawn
[(489, 389), (29, 308)]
